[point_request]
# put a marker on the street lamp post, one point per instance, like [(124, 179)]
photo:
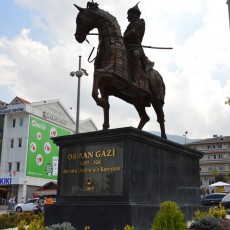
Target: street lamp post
[(78, 74), (228, 101), (228, 2), (186, 132)]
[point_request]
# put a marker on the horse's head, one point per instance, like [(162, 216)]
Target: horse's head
[(85, 21)]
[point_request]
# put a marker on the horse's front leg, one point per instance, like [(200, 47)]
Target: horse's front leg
[(104, 100), (96, 79), (106, 112)]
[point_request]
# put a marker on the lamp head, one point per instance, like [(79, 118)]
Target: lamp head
[(72, 73)]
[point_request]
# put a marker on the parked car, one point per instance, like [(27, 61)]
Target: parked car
[(212, 199), (29, 205), (226, 201)]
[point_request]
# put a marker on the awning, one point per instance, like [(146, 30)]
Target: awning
[(46, 192)]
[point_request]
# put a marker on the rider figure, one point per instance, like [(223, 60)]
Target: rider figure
[(133, 36)]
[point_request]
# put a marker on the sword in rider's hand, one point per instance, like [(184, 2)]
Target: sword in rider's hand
[(150, 47), (155, 47), (143, 46)]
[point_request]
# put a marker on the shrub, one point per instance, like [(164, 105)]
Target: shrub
[(216, 211), (169, 217), (63, 226), (199, 215), (12, 220), (127, 227), (209, 222), (37, 223), (22, 225)]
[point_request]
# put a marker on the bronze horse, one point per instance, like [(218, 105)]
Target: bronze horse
[(111, 72)]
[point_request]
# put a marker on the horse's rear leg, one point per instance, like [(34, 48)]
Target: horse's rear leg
[(142, 114), (158, 107)]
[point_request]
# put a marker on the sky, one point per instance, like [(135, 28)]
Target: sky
[(38, 51)]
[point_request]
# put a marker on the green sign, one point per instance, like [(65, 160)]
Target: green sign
[(42, 156)]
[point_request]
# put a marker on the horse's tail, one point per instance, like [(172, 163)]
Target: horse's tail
[(157, 85)]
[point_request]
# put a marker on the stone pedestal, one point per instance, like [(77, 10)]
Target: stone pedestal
[(108, 179)]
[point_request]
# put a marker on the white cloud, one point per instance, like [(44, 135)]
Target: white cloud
[(196, 71)]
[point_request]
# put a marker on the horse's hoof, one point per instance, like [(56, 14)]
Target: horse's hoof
[(105, 127)]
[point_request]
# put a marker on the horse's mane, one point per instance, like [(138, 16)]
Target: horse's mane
[(104, 15)]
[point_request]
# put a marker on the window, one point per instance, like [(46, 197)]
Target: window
[(211, 157), (212, 168), (9, 166), (11, 143), (21, 122), (200, 182), (221, 168), (223, 156), (19, 142), (17, 166), (211, 181), (14, 123)]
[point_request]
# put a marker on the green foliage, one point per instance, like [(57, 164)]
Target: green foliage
[(37, 223), (198, 215), (210, 219), (209, 222), (216, 211), (127, 227), (63, 226), (22, 225), (13, 219), (169, 217)]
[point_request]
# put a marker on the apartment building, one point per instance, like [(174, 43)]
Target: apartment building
[(216, 159), (28, 156)]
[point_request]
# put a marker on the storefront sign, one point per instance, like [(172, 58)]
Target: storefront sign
[(13, 109), (5, 181), (53, 118)]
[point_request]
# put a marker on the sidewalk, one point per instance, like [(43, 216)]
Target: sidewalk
[(4, 209)]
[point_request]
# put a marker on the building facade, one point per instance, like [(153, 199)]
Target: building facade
[(28, 156), (216, 159)]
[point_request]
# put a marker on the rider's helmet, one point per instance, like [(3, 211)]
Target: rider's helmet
[(135, 10)]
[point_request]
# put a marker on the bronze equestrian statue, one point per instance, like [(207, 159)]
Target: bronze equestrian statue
[(121, 68)]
